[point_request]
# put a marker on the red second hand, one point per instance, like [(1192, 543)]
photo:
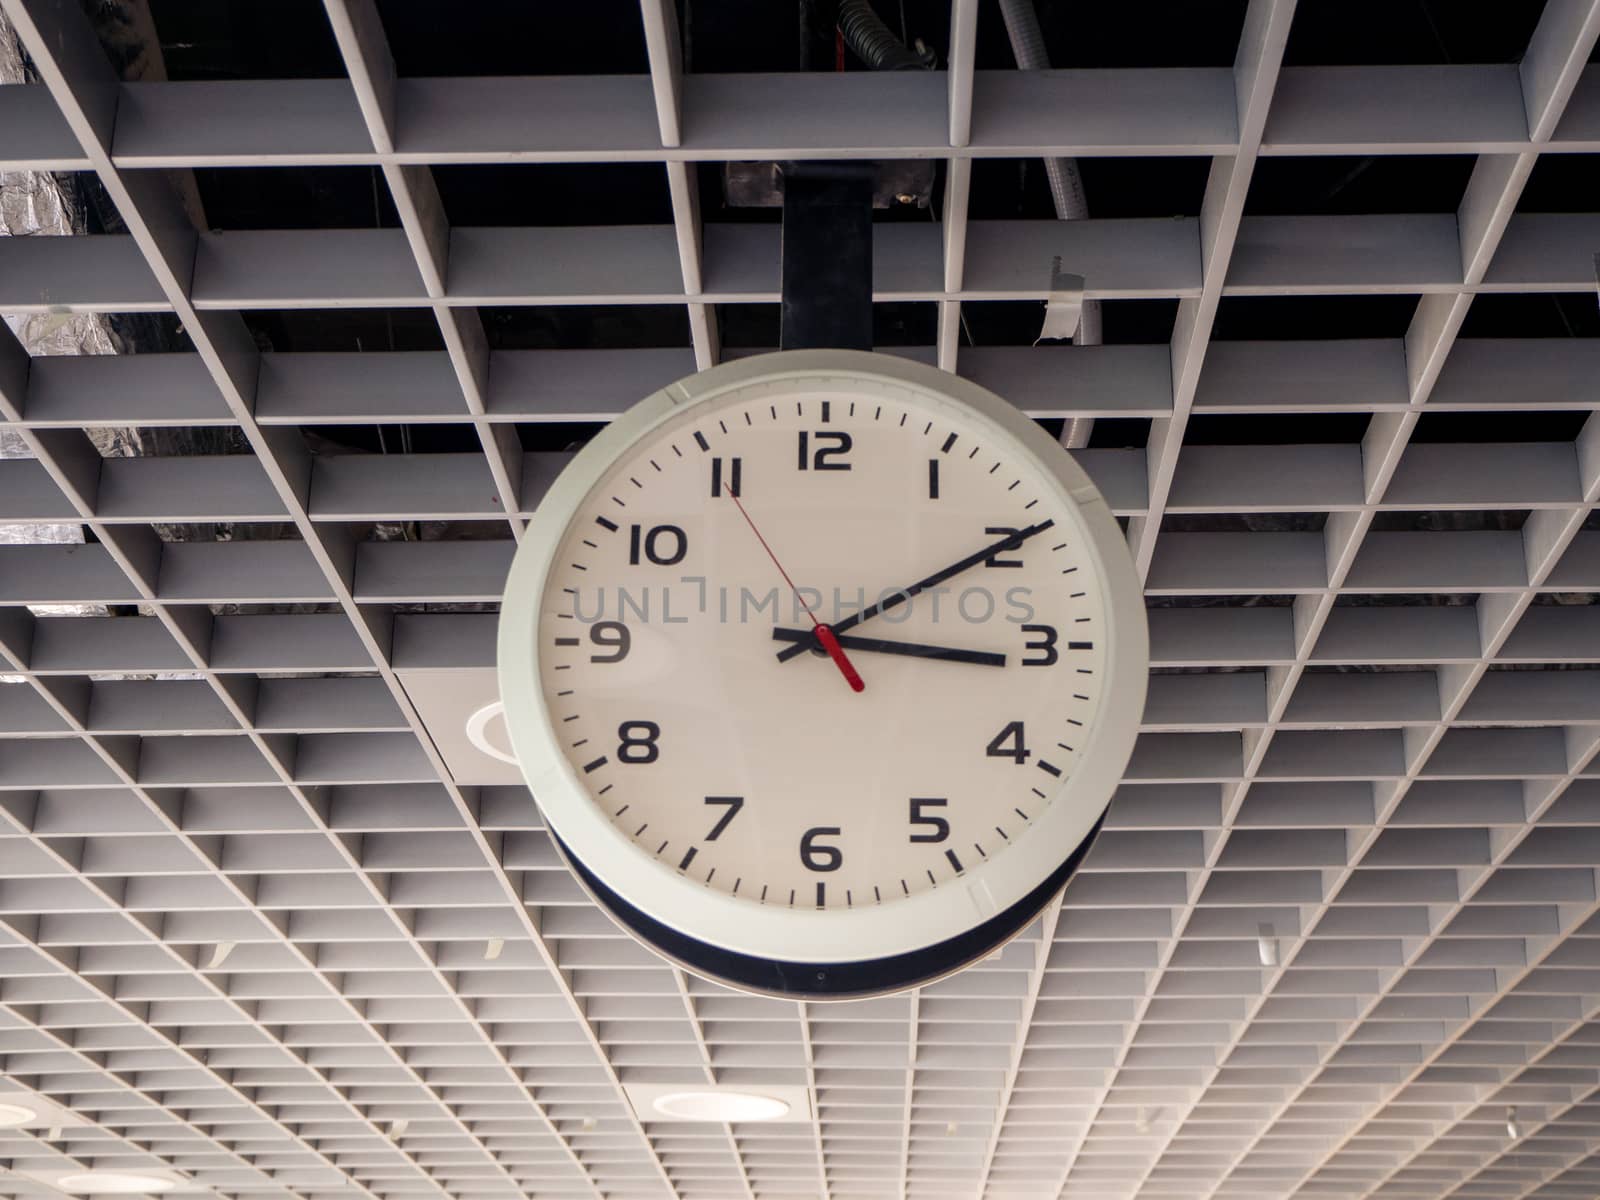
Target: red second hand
[(825, 633), (830, 643)]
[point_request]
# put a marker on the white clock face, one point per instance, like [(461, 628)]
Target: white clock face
[(698, 719)]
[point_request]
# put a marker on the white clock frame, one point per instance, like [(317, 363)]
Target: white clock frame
[(802, 936)]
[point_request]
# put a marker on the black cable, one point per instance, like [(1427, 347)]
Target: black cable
[(873, 42)]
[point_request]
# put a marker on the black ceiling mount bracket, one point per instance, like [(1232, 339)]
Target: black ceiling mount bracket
[(827, 256)]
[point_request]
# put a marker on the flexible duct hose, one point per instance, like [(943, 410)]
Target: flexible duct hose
[(1066, 183), (1027, 45), (871, 41)]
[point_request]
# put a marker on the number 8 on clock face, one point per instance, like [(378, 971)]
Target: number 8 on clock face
[(823, 667)]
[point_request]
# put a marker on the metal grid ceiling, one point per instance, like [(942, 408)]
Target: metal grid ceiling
[(1343, 921)]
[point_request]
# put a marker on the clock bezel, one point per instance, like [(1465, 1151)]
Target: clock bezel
[(906, 924)]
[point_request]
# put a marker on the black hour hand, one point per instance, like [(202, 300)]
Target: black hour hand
[(981, 658)]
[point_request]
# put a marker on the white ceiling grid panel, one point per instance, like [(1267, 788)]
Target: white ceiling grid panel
[(1341, 936)]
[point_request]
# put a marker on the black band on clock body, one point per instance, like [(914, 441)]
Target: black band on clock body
[(842, 980)]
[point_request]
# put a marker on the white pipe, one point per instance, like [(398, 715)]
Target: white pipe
[(1066, 184)]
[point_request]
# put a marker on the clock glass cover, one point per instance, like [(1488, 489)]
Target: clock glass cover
[(864, 792)]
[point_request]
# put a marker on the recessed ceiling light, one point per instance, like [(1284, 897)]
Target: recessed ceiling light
[(486, 729), (721, 1106), (12, 1115), (113, 1183)]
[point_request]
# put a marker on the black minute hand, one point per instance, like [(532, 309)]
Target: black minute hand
[(904, 595)]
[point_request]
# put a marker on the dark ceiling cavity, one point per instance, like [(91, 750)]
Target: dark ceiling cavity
[(1388, 183), (200, 39), (1562, 183), (1343, 32), (586, 326), (1274, 318), (1532, 315), (344, 330), (1276, 429), (286, 39), (513, 37), (1016, 188), (296, 198)]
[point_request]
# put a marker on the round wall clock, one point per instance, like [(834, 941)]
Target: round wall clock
[(823, 667)]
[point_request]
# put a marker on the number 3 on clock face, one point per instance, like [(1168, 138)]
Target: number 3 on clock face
[(711, 770)]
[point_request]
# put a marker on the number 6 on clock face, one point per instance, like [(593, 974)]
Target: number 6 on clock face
[(700, 750)]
